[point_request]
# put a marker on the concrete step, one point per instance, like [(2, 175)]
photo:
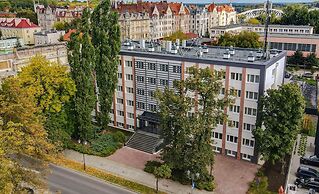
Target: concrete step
[(144, 142)]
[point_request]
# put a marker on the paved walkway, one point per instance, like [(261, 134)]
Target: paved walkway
[(134, 174)]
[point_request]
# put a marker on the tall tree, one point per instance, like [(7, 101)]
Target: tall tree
[(21, 133), (311, 61), (296, 59), (162, 172), (81, 59), (106, 41), (244, 39), (281, 116), (187, 136)]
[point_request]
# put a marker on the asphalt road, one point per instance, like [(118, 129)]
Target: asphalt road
[(67, 181)]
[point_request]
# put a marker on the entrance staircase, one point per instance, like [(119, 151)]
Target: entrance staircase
[(143, 141)]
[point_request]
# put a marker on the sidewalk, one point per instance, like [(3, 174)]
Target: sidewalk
[(133, 174)]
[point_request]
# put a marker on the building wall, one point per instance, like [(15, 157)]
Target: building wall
[(26, 34), (233, 139), (48, 38)]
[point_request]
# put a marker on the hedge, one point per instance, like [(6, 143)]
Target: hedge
[(136, 187)]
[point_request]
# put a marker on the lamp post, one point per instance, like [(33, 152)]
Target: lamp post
[(192, 176), (84, 143)]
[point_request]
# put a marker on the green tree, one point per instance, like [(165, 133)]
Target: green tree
[(107, 44), (81, 59), (21, 133), (188, 136), (244, 39), (162, 172), (253, 21), (60, 25), (311, 61), (295, 15), (296, 59), (177, 35), (27, 13), (281, 114)]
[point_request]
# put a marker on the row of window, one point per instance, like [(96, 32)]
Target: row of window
[(120, 124), (248, 110), (232, 153), (293, 46), (162, 67), (237, 93), (151, 107)]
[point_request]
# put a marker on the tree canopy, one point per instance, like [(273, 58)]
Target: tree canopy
[(177, 35), (279, 121), (244, 39)]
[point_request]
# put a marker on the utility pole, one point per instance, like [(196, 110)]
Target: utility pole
[(266, 47)]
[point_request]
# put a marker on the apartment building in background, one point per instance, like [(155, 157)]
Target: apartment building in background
[(144, 68), (47, 16), (21, 28)]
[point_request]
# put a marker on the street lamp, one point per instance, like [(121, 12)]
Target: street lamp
[(84, 143), (192, 176)]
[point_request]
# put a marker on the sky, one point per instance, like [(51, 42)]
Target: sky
[(242, 1)]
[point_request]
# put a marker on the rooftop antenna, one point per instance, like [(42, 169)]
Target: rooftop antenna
[(266, 47)]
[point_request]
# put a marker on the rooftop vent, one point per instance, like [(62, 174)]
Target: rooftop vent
[(231, 50), (259, 53), (273, 53), (251, 57), (184, 43), (142, 44), (168, 46), (226, 54), (174, 50), (205, 49), (200, 52), (130, 46), (126, 43), (151, 48)]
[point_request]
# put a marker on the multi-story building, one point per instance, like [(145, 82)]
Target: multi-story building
[(48, 37), (198, 22), (141, 71), (273, 29), (221, 15), (20, 28), (47, 16), (151, 20)]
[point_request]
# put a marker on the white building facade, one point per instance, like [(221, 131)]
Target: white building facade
[(140, 73)]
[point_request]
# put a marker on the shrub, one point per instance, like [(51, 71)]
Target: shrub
[(180, 176), (105, 145), (119, 137), (151, 165)]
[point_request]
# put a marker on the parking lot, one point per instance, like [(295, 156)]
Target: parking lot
[(295, 163)]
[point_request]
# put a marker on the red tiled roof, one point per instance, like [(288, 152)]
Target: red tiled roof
[(191, 35), (67, 36), (17, 23)]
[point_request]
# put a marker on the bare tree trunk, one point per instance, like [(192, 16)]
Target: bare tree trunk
[(156, 185)]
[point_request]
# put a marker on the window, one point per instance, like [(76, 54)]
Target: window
[(139, 64), (253, 78), (232, 139), (222, 91), (249, 127), (164, 67), (250, 111), (119, 88), (130, 90), (235, 92), (120, 113), (140, 91), (217, 135), (140, 79), (128, 63), (130, 103), (120, 124), (234, 108), (252, 95), (120, 62), (130, 126), (164, 82), (119, 75), (234, 124), (112, 111), (152, 107), (151, 93), (151, 80), (236, 76), (130, 115), (152, 66), (246, 157), (140, 105), (249, 143), (119, 100), (129, 77), (177, 69), (217, 149), (231, 153)]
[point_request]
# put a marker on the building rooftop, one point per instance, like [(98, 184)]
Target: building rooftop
[(203, 54), (260, 25)]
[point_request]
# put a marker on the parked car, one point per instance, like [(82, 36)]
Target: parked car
[(312, 183), (307, 75), (307, 172), (311, 160)]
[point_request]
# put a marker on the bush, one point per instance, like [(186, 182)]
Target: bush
[(105, 145), (151, 165), (119, 137)]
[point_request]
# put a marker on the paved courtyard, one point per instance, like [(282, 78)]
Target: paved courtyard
[(231, 176)]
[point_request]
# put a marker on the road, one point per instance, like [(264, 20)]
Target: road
[(67, 181)]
